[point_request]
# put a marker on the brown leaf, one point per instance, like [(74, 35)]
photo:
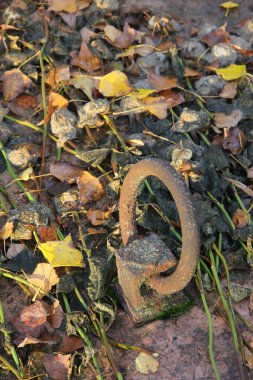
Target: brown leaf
[(240, 218), (241, 186), (70, 344), (216, 36), (55, 314), (228, 121), (97, 217), (122, 39), (14, 83), (43, 277), (65, 172), (6, 230), (46, 233), (31, 320), (229, 90), (85, 59), (45, 338), (160, 83), (189, 72), (89, 187), (157, 106), (57, 75), (173, 98), (14, 250), (234, 141), (250, 172), (55, 102), (57, 366)]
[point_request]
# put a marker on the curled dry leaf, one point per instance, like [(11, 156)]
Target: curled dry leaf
[(179, 156), (57, 366), (32, 320), (85, 59), (65, 172), (89, 187), (240, 218), (62, 253), (160, 83), (241, 186), (55, 102), (14, 83), (43, 278), (228, 121), (122, 39), (6, 230), (114, 84)]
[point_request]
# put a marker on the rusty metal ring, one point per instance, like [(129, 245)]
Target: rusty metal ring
[(190, 231)]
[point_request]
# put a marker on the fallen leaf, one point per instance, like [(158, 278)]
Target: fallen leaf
[(55, 314), (45, 338), (122, 39), (85, 59), (229, 90), (241, 186), (114, 84), (160, 83), (14, 83), (250, 172), (228, 121), (179, 156), (141, 93), (85, 83), (231, 72), (89, 187), (143, 50), (46, 233), (228, 5), (146, 364), (43, 277), (6, 230), (62, 253), (55, 102), (216, 36), (234, 141), (157, 106), (32, 320), (65, 172), (70, 344), (173, 98), (189, 72), (57, 366), (68, 6), (14, 250), (240, 218), (97, 217)]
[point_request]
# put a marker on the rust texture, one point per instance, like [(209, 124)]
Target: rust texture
[(190, 232)]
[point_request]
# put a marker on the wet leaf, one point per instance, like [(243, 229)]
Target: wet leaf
[(122, 39), (146, 364), (231, 72), (62, 253), (160, 83), (32, 320), (241, 186), (65, 172), (114, 84), (43, 278), (14, 83), (57, 366), (228, 121), (85, 59)]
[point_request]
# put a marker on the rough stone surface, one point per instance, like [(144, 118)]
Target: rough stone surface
[(224, 53), (210, 85)]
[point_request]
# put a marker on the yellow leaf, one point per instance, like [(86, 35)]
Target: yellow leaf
[(43, 277), (231, 72), (229, 5), (114, 84), (68, 6), (141, 93), (62, 253)]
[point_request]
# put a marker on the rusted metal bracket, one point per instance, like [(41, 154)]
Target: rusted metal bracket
[(147, 292)]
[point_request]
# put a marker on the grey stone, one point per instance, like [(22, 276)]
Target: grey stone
[(89, 114), (194, 49), (224, 53), (63, 125), (156, 61), (210, 85), (191, 120)]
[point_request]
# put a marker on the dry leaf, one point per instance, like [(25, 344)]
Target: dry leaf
[(114, 84), (229, 90), (6, 230), (14, 83), (173, 98), (143, 50), (68, 6), (45, 338), (32, 320), (14, 250), (146, 364), (240, 218), (160, 83), (85, 59), (234, 141), (43, 278), (228, 121), (179, 156), (216, 36), (55, 101), (55, 314), (157, 106), (85, 83), (241, 186), (231, 72), (189, 72), (97, 217), (89, 187), (46, 233), (250, 172), (57, 366), (121, 39), (70, 344), (62, 253), (65, 172)]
